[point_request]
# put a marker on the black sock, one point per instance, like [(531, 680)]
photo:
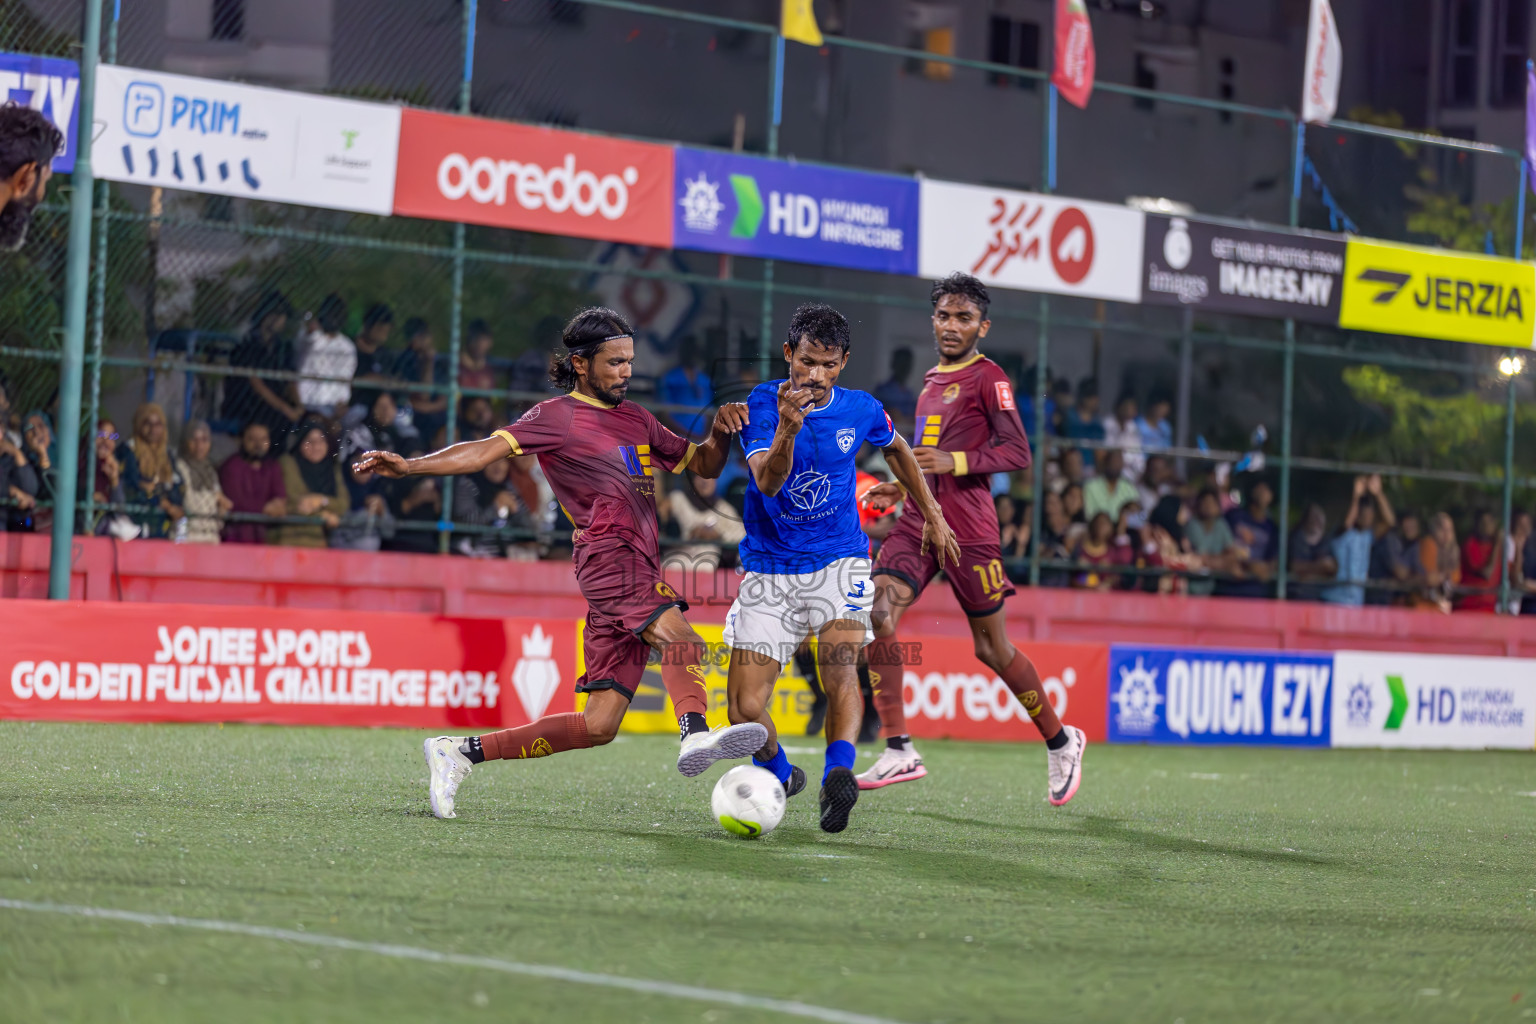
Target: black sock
[(690, 723), (470, 748), (898, 742), (1058, 741)]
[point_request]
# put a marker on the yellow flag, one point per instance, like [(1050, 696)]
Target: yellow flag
[(798, 22)]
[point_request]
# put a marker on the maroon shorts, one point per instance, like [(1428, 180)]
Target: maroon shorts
[(979, 581), (625, 594)]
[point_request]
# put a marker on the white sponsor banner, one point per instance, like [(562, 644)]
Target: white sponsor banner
[(1433, 700), (242, 140), (1035, 242)]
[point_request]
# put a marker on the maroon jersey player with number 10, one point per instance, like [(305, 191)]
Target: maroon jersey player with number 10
[(967, 429), (598, 453)]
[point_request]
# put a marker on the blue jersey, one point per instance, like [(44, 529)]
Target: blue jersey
[(814, 519)]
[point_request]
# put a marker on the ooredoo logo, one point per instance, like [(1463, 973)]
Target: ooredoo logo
[(1072, 245), (558, 189)]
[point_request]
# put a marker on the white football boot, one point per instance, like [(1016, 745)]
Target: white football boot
[(893, 766), (702, 749), (449, 768), (1065, 766)]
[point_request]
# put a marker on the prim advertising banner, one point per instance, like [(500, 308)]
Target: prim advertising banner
[(51, 86), (1273, 274), (1433, 701), (243, 140), (775, 209), (1195, 696)]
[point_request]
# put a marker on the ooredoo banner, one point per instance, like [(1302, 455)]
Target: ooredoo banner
[(242, 140), (49, 85), (1035, 242), (776, 209), (1433, 700), (191, 663), (533, 179)]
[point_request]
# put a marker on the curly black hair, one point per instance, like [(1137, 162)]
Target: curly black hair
[(583, 335), (822, 324), (964, 286), (26, 137)]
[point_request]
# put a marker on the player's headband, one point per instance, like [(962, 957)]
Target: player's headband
[(594, 344)]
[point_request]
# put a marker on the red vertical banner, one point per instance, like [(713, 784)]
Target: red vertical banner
[(1073, 65)]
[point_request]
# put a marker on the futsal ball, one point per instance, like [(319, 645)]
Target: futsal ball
[(748, 801)]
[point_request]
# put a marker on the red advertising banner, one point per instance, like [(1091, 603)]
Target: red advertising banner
[(1072, 68), (947, 692), (533, 179), (190, 663)]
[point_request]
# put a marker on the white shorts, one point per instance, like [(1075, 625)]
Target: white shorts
[(773, 614)]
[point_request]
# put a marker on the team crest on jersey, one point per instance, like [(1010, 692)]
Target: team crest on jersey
[(665, 591), (809, 490), (845, 436), (951, 393)]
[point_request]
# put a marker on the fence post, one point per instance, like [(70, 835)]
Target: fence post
[(775, 117), (1042, 379), (1288, 384), (456, 310), (99, 309), (1509, 486), (76, 281)]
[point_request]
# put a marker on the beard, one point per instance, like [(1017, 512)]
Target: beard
[(614, 397), (14, 221)]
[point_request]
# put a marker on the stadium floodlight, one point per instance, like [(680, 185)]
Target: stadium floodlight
[(1511, 366)]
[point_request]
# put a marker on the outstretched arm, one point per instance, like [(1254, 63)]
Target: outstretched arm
[(455, 460), (936, 531)]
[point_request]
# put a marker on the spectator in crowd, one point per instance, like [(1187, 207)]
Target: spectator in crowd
[(1128, 530), (251, 396), (475, 372), (1120, 431), (899, 399), (149, 474), (1210, 537), (1157, 481), (1370, 514), (327, 361), (1166, 545), (1099, 552), (1066, 470), (253, 483), (1481, 563), (1154, 428), (477, 418), (690, 388), (1522, 565), (371, 521), (1311, 557), (313, 482), (1259, 537), (1062, 402), (1013, 535), (419, 500), (418, 364), (1026, 392), (18, 480), (1441, 559), (107, 486), (1072, 501), (1059, 536), (1082, 420), (1395, 562), (1110, 490), (375, 361), (707, 519), (35, 515), (204, 500), (487, 498)]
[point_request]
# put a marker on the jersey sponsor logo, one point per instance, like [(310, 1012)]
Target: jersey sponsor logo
[(637, 459), (845, 439), (951, 393), (531, 414), (929, 434), (665, 591), (1004, 395), (809, 490)]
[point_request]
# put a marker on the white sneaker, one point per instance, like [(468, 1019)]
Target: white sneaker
[(893, 766), (449, 768), (702, 749), (1065, 766)]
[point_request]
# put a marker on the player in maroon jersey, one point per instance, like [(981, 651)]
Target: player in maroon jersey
[(967, 429), (598, 452)]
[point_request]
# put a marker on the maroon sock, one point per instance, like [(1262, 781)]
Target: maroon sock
[(886, 674), (1024, 681), (682, 673), (547, 736)]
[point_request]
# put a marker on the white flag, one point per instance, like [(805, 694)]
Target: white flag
[(1325, 60)]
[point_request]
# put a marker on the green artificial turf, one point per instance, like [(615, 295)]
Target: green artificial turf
[(1194, 884)]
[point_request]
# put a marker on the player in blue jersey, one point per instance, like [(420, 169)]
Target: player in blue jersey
[(805, 556)]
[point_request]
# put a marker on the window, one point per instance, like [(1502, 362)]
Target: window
[(1225, 88), (1144, 77), (1506, 73), (1459, 68), (1015, 43), (228, 20)]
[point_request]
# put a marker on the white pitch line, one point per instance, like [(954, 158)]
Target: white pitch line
[(659, 988)]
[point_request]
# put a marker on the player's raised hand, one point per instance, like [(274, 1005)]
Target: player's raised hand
[(932, 460), (884, 496), (793, 402), (386, 464), (938, 536), (730, 418)]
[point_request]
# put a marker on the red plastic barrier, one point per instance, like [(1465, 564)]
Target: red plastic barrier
[(180, 663)]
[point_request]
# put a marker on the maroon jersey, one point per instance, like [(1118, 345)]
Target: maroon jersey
[(598, 460), (967, 410)]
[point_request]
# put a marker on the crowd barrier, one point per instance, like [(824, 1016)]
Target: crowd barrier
[(94, 661)]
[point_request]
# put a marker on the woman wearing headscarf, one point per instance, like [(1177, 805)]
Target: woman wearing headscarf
[(487, 498), (313, 478), (149, 473), (205, 503)]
